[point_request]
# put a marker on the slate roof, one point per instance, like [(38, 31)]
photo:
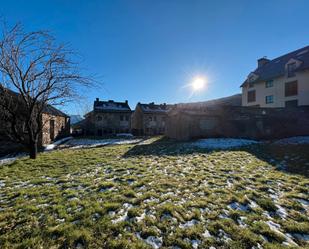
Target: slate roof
[(111, 106), (276, 67), (154, 108), (233, 100), (48, 109)]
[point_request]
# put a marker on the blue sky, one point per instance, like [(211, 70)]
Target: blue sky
[(148, 50)]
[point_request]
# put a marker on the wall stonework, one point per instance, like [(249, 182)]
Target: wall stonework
[(111, 123), (150, 123), (60, 129), (238, 122)]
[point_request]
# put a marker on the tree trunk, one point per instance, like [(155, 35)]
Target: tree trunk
[(33, 149)]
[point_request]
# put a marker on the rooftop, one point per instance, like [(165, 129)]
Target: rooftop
[(154, 108), (276, 67), (111, 106)]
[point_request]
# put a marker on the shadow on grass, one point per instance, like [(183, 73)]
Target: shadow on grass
[(292, 159)]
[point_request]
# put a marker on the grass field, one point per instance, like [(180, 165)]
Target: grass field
[(157, 195)]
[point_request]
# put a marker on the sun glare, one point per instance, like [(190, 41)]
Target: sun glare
[(198, 84)]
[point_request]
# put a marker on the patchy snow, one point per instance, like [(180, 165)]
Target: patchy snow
[(154, 242), (238, 206), (206, 234), (299, 236), (275, 227), (91, 143), (222, 143), (293, 140), (189, 223), (11, 158), (55, 144), (123, 213), (124, 135), (304, 202), (281, 212), (252, 204)]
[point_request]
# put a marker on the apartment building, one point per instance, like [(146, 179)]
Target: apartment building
[(280, 82)]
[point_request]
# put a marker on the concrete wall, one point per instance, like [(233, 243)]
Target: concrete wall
[(278, 90), (238, 122)]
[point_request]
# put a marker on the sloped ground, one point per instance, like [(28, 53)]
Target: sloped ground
[(157, 195)]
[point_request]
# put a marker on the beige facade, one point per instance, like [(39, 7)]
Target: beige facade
[(277, 90)]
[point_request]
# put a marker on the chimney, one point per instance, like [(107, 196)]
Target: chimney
[(97, 99), (126, 102), (262, 61), (111, 101)]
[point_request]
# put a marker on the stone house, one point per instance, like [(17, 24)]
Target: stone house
[(280, 82), (55, 125), (149, 119), (107, 117)]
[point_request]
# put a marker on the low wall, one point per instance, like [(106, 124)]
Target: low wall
[(237, 122)]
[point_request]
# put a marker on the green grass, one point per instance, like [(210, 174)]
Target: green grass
[(73, 198)]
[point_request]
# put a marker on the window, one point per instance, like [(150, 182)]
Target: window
[(251, 96), (291, 88), (291, 103), (99, 118), (150, 118), (121, 118), (127, 118), (291, 69), (154, 118), (269, 99), (269, 83)]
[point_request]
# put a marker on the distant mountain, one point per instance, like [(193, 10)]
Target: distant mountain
[(75, 119)]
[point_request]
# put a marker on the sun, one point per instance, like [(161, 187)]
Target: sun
[(198, 83)]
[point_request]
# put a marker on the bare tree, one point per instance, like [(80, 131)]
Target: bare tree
[(42, 73)]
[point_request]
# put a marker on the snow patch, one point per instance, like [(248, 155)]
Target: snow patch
[(154, 242), (293, 140), (298, 236), (206, 234), (123, 213), (91, 143), (275, 227), (55, 144), (189, 223), (238, 206), (222, 143), (11, 158)]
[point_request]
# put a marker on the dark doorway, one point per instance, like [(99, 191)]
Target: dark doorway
[(52, 129)]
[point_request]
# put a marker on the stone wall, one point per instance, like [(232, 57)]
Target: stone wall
[(148, 123), (61, 128), (237, 122), (111, 123)]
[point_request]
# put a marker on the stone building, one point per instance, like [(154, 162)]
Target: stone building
[(226, 118), (55, 125), (149, 119), (107, 117), (280, 82)]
